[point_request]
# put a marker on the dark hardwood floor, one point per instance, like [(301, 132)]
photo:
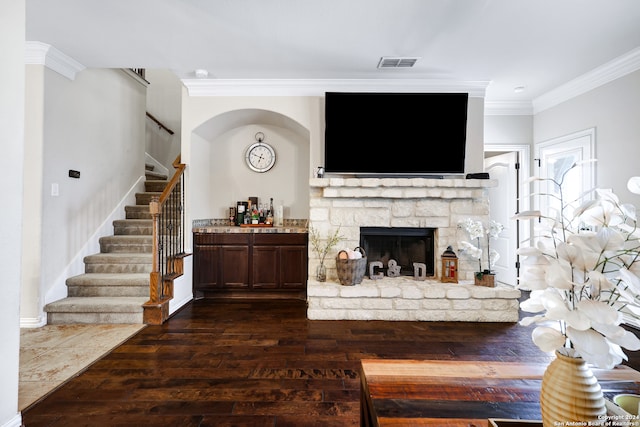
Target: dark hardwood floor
[(259, 363)]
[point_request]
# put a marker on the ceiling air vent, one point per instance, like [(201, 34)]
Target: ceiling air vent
[(397, 62)]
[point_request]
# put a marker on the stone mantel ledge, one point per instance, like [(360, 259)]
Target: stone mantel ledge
[(455, 183), (405, 299)]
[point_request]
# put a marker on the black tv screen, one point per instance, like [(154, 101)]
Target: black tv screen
[(409, 134)]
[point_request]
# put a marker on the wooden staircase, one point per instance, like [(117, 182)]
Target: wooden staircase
[(115, 284)]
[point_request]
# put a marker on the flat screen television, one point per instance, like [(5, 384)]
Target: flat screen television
[(405, 134)]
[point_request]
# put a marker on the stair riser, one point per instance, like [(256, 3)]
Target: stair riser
[(91, 318), (137, 212), (118, 268), (108, 291), (135, 215), (138, 215), (155, 176), (145, 198), (132, 230), (126, 248), (155, 186)]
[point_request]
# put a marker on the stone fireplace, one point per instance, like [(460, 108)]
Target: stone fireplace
[(402, 204)]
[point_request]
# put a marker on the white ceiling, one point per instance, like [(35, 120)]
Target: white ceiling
[(538, 44)]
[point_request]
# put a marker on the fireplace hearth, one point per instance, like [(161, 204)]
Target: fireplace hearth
[(404, 245)]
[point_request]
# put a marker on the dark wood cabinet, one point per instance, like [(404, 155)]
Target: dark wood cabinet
[(220, 261), (280, 261), (234, 267), (250, 264)]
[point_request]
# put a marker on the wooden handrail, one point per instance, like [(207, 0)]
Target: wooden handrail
[(179, 167), (160, 124)]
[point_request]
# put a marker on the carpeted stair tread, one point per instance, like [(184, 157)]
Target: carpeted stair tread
[(154, 175), (133, 239), (136, 227), (97, 305), (126, 243), (133, 222), (119, 258), (110, 279)]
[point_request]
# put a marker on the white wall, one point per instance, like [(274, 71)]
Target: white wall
[(474, 160), (614, 110), (93, 124), (12, 110), (32, 298), (214, 151), (508, 130), (232, 181), (164, 103)]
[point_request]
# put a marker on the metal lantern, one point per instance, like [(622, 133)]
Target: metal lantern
[(449, 266)]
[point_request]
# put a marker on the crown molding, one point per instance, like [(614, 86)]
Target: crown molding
[(619, 67), (317, 87), (508, 108), (37, 53)]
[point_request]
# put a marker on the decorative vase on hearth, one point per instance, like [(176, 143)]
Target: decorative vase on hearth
[(321, 273), (570, 392)]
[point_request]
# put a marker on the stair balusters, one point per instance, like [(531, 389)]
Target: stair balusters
[(167, 213)]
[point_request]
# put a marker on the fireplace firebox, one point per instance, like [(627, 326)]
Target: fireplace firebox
[(405, 245)]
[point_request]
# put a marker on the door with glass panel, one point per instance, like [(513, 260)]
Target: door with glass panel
[(566, 165)]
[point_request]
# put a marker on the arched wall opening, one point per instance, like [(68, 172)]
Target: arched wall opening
[(219, 176)]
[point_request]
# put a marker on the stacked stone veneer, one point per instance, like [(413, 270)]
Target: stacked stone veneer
[(402, 298), (351, 203)]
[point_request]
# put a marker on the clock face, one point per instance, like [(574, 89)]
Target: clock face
[(260, 157)]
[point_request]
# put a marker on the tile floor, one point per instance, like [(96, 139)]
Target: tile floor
[(54, 353)]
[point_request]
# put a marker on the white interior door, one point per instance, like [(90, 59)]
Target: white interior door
[(503, 205), (555, 158)]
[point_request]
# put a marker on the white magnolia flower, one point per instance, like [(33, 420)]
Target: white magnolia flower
[(584, 278)]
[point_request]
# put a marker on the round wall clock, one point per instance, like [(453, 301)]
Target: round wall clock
[(260, 156)]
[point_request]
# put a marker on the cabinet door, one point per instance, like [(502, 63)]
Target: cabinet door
[(205, 267), (265, 269), (234, 264), (293, 267)]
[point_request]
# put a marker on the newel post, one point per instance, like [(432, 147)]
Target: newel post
[(154, 283), (155, 311)]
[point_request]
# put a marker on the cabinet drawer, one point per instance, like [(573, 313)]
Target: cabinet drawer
[(280, 239), (221, 238)]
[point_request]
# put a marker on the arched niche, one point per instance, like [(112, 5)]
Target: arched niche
[(219, 176)]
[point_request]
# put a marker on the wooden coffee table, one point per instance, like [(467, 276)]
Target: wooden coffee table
[(463, 393)]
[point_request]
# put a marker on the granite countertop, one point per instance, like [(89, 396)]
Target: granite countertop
[(237, 229), (222, 226)]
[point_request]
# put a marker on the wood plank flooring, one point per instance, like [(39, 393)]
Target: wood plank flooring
[(259, 363)]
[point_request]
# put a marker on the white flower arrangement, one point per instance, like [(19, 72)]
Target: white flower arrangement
[(584, 277), (477, 232)]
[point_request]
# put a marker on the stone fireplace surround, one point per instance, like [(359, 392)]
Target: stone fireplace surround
[(351, 203)]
